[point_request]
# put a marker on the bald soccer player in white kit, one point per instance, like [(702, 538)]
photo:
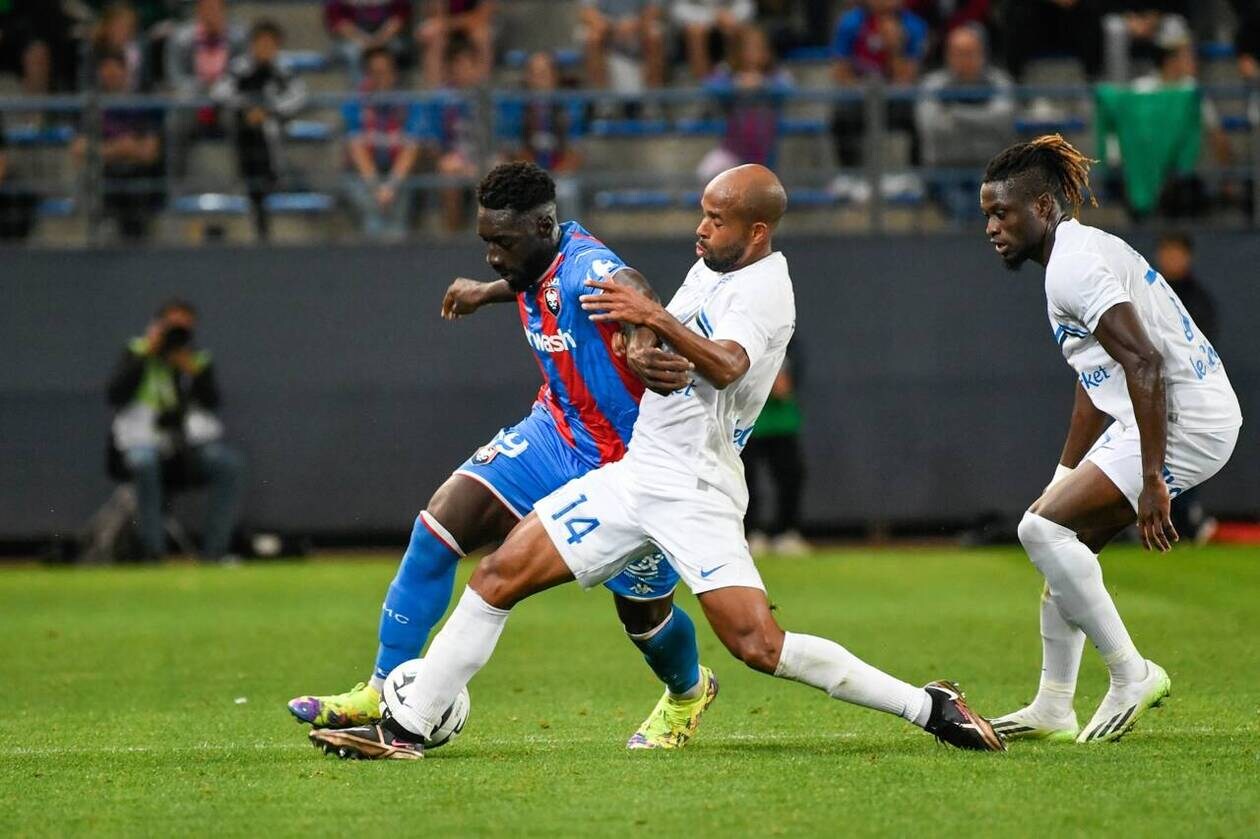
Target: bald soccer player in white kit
[(680, 487)]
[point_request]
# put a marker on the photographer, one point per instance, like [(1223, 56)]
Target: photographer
[(164, 434)]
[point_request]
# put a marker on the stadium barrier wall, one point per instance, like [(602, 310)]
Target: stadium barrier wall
[(932, 386)]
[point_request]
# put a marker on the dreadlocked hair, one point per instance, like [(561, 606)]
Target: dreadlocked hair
[(1055, 164), (518, 186)]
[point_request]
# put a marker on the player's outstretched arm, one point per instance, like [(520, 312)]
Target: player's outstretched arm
[(464, 296), (719, 362), (1121, 334)]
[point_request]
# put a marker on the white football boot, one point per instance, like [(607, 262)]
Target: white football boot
[(1031, 723), (1120, 709)]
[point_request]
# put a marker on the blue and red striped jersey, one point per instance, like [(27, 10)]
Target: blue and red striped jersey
[(590, 393)]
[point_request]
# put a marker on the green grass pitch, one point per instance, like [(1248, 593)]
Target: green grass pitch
[(151, 702)]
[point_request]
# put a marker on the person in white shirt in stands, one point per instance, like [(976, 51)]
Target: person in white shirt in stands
[(1154, 415), (680, 487)]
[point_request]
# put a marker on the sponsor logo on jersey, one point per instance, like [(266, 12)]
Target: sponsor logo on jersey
[(551, 296), (1094, 378), (562, 341)]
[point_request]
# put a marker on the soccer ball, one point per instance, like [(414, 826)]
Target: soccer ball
[(394, 705)]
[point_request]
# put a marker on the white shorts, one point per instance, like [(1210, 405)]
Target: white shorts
[(603, 520), (1190, 458)]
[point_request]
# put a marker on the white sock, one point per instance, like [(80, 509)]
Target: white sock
[(377, 682), (831, 668), (461, 649), (1061, 646), (1075, 580)]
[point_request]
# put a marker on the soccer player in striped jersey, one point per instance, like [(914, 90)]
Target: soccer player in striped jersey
[(581, 420), (1154, 415)]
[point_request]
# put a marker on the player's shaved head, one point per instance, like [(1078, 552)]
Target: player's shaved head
[(742, 206), (753, 192)]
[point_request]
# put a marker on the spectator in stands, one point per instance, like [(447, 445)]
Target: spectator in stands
[(164, 433), (17, 202), (944, 16), (262, 97), (630, 28), (790, 24), (1247, 44), (965, 115), (130, 152), (876, 38), (1041, 28), (1131, 28), (751, 88), (1174, 258), (202, 49), (156, 22), (546, 123), (1177, 69), (36, 44), (471, 21), (774, 450), (382, 144), (359, 25), (116, 31), (453, 131), (704, 21)]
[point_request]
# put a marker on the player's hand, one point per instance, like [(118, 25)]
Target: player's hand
[(661, 370), (1155, 517), (463, 297), (618, 302)]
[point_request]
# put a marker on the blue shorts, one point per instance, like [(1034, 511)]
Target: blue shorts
[(526, 462)]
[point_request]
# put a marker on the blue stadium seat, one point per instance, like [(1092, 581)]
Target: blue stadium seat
[(308, 131), (803, 54), (629, 127), (802, 126), (814, 199), (304, 61), (1216, 50), (1235, 123), (633, 199), (57, 207), (566, 58), (1066, 125), (299, 203), (211, 203), (29, 135), (699, 126)]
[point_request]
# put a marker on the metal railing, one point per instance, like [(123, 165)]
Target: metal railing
[(617, 134)]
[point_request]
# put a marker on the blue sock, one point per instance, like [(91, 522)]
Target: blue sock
[(671, 652), (417, 597)]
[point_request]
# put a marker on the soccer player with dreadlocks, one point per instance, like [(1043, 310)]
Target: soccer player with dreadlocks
[(1154, 415)]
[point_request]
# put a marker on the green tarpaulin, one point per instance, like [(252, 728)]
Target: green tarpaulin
[(1159, 132)]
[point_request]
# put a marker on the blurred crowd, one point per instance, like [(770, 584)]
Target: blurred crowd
[(965, 57)]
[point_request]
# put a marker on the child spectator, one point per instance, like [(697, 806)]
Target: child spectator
[(262, 97), (877, 38), (116, 31), (382, 144)]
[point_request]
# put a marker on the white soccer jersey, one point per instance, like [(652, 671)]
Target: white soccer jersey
[(699, 431), (1089, 272)]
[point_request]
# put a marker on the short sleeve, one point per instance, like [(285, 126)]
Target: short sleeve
[(414, 129), (916, 36), (1081, 286), (752, 320)]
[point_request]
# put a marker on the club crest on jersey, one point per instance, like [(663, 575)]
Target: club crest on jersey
[(485, 454), (551, 296)]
